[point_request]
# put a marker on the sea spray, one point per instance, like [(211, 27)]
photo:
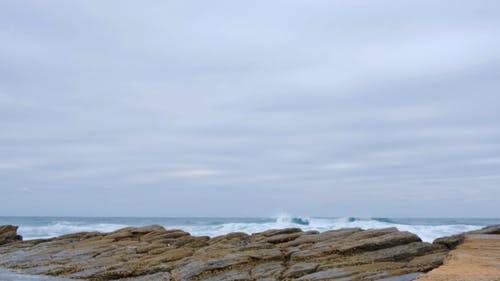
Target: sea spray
[(427, 229)]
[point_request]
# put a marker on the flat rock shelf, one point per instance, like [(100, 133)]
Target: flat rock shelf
[(476, 259), (154, 253)]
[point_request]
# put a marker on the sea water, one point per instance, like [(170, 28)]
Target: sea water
[(427, 229)]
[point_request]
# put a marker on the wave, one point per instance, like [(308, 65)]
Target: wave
[(426, 229), (287, 219), (300, 221), (384, 220), (64, 227), (426, 232)]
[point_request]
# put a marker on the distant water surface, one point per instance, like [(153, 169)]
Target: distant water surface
[(426, 228)]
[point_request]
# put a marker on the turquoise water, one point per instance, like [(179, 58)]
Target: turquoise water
[(428, 229)]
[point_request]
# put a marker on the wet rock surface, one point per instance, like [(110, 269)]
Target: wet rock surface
[(154, 253)]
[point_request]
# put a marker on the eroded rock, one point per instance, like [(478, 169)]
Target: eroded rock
[(154, 253), (476, 259), (8, 234)]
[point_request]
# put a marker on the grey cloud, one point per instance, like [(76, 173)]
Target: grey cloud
[(229, 108)]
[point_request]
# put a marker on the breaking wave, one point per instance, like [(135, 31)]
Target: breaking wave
[(426, 229)]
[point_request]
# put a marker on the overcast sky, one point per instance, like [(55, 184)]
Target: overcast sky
[(250, 108)]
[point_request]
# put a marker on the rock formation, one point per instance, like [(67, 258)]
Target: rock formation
[(154, 253), (451, 242), (8, 233), (476, 257)]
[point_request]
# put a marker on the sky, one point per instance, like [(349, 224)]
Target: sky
[(250, 108)]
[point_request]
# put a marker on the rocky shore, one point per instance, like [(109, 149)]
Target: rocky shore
[(476, 258), (154, 253)]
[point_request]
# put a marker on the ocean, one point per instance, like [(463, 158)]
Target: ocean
[(427, 229)]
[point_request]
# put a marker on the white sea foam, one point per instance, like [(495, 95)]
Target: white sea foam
[(425, 232), (211, 227), (64, 227)]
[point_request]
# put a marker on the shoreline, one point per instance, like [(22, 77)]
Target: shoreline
[(154, 253), (427, 229)]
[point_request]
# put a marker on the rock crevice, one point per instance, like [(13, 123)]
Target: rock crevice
[(154, 253)]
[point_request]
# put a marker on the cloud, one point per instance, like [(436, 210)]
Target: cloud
[(342, 166), (311, 103), (8, 166), (195, 173), (485, 161)]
